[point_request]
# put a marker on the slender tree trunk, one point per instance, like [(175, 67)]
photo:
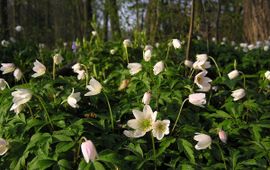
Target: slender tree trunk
[(217, 21), (4, 19), (88, 17), (114, 20), (106, 21), (190, 29), (152, 20), (256, 20)]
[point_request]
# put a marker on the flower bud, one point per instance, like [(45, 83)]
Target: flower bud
[(88, 150), (233, 74), (238, 94), (222, 136), (146, 98)]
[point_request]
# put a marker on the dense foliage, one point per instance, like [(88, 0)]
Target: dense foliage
[(48, 131)]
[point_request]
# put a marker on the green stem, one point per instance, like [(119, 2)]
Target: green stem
[(110, 110), (154, 150), (222, 157), (45, 110), (86, 74), (53, 71), (218, 71), (126, 54), (179, 113), (167, 55), (191, 73), (30, 110), (244, 78), (7, 84)]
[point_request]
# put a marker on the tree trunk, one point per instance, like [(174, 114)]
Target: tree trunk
[(152, 20), (114, 19), (106, 20), (88, 18), (256, 20), (4, 19)]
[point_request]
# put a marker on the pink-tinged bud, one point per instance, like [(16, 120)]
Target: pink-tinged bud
[(222, 136), (88, 150), (146, 98), (233, 74)]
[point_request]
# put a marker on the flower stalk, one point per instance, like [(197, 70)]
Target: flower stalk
[(218, 71), (179, 113), (110, 110)]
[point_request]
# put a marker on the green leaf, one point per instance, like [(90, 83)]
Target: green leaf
[(64, 146), (62, 138), (64, 164), (164, 145), (98, 166), (188, 149)]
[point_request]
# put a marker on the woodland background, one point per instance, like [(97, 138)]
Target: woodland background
[(57, 21)]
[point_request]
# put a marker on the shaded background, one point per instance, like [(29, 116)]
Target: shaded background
[(57, 21)]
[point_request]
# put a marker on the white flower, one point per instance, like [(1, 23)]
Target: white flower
[(243, 45), (127, 43), (76, 67), (266, 48), (224, 39), (134, 68), (188, 63), (176, 43), (158, 67), (81, 74), (148, 47), (233, 43), (94, 87), (214, 39), (88, 150), (201, 62), (3, 83), (18, 28), (222, 136), (233, 74), (147, 55), (267, 75), (113, 51), (57, 59), (7, 68), (142, 123), (4, 43), (251, 47), (20, 97), (17, 74), (202, 81), (39, 68), (3, 146), (238, 94), (204, 141), (73, 98), (197, 99), (94, 33), (157, 44), (161, 128), (146, 98)]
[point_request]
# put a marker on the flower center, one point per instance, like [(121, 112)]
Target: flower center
[(145, 124), (160, 127)]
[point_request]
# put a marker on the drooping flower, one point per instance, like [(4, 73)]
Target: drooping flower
[(127, 43), (233, 74), (201, 62), (88, 150), (222, 136), (17, 74), (76, 67), (20, 97), (204, 141), (176, 43), (142, 123), (266, 48), (7, 68), (57, 59), (123, 84), (39, 68), (147, 55), (161, 128), (148, 47), (94, 87), (18, 28), (3, 84), (146, 98), (3, 146), (134, 68), (197, 99), (81, 74), (73, 98), (113, 51), (158, 67), (267, 75), (203, 82), (94, 33), (238, 94), (188, 63)]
